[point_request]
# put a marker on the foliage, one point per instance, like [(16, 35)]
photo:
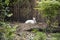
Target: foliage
[(49, 9), (39, 35), (58, 0), (4, 9), (56, 36), (42, 36), (7, 31)]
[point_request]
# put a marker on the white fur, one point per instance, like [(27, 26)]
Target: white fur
[(31, 21)]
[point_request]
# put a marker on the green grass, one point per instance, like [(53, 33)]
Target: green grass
[(55, 36), (42, 35)]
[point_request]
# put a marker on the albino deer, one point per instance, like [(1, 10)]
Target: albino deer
[(31, 21)]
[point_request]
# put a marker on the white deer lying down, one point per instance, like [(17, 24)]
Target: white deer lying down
[(31, 21)]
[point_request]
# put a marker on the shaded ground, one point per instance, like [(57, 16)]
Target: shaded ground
[(23, 26), (23, 34)]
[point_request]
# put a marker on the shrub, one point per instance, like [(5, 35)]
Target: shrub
[(56, 36), (4, 9), (49, 10), (39, 35), (7, 31)]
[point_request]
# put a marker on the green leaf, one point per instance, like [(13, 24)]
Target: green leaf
[(7, 2), (9, 15)]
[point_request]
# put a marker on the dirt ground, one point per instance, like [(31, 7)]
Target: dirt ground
[(22, 34), (24, 26)]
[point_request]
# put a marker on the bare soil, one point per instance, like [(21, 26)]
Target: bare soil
[(22, 34)]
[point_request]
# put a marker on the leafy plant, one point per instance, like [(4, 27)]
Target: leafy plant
[(48, 9), (58, 0), (56, 36), (4, 9), (39, 35), (7, 31)]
